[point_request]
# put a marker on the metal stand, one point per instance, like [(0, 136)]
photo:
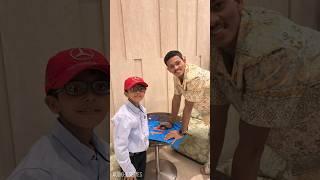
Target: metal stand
[(160, 169)]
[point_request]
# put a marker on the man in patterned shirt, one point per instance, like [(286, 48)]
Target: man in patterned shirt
[(193, 83), (267, 67)]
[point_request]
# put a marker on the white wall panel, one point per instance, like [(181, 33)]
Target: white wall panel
[(143, 31)]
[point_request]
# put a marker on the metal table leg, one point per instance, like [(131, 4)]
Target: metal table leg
[(160, 169)]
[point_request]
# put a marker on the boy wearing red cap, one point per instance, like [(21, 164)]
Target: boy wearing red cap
[(131, 130), (77, 88)]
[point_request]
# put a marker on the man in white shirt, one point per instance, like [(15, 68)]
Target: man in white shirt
[(131, 130)]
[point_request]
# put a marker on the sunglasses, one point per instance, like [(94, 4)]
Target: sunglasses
[(138, 88), (79, 88)]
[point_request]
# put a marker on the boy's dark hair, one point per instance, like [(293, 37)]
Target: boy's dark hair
[(171, 54)]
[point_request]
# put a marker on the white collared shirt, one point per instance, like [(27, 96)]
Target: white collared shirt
[(131, 134), (61, 156)]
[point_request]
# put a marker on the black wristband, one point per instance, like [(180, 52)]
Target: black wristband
[(182, 133)]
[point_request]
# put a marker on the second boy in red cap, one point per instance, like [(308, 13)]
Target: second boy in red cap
[(77, 90), (131, 130)]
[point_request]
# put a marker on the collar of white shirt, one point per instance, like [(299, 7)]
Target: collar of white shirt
[(80, 151), (135, 109)]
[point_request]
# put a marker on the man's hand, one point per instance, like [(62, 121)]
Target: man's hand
[(173, 134)]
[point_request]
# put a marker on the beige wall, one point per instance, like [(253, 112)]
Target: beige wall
[(142, 32), (31, 32)]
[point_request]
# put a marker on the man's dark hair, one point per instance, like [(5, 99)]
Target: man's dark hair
[(171, 54)]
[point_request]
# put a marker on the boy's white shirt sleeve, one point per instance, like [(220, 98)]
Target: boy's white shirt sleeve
[(146, 126), (122, 127)]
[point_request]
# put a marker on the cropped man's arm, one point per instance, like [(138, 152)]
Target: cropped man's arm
[(186, 115), (176, 100), (219, 121), (246, 160)]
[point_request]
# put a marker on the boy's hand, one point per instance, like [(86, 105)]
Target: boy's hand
[(173, 134), (164, 125)]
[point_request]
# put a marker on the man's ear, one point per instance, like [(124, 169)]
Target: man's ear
[(53, 104), (184, 59)]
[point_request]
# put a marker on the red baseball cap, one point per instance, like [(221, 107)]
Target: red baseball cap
[(132, 81), (66, 64)]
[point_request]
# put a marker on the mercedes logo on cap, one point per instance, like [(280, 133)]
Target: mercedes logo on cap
[(81, 54)]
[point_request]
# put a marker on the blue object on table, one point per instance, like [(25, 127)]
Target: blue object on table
[(160, 137)]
